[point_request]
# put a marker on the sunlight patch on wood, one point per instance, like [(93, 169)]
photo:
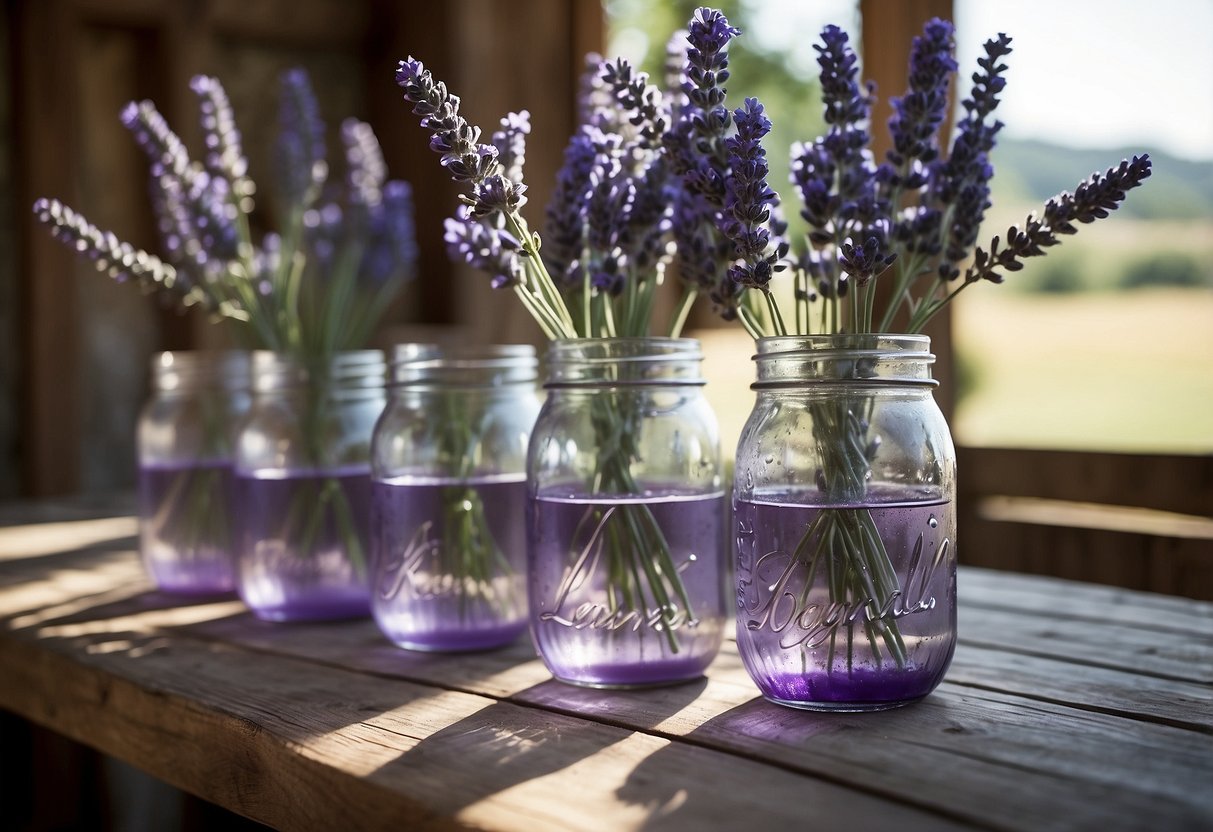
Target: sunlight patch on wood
[(49, 538), (1128, 519)]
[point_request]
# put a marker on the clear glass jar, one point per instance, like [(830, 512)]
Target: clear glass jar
[(303, 486), (844, 500), (184, 440), (449, 497), (626, 531)]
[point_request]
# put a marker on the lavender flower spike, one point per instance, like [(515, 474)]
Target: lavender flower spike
[(302, 168), (696, 145), (1091, 200), (510, 142), (224, 154), (365, 168), (918, 114), (111, 256), (747, 215), (458, 142)]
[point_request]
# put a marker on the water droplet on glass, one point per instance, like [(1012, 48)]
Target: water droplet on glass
[(933, 523), (769, 459), (692, 557)]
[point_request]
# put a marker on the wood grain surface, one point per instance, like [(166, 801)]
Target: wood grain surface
[(1068, 706)]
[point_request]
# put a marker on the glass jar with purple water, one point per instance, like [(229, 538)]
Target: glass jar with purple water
[(845, 524), (303, 485), (448, 535), (626, 526), (185, 469)]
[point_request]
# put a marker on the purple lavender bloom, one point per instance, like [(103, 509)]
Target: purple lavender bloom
[(391, 251), (1091, 200), (364, 165), (638, 101), (963, 179), (564, 232), (918, 114), (510, 142), (465, 159), (594, 97), (225, 157), (483, 244), (865, 262), (195, 210), (164, 149), (496, 194), (747, 216), (302, 169), (697, 142), (646, 226), (119, 260)]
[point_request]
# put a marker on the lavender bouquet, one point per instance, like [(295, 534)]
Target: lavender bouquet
[(890, 243), (611, 225), (315, 287)]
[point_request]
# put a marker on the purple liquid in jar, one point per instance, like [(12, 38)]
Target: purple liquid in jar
[(303, 543), (808, 648), (185, 527), (449, 561), (585, 627)]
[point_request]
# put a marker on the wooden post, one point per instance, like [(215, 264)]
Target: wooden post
[(888, 31), (44, 114)]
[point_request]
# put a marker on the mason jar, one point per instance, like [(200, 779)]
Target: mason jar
[(184, 440), (626, 526), (845, 521), (449, 497), (303, 485)]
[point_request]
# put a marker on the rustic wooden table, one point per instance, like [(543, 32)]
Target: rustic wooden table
[(1068, 706)]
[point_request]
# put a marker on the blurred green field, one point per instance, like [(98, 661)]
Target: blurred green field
[(1128, 371)]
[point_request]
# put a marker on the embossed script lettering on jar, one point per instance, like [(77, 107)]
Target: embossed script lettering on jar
[(784, 591), (599, 616)]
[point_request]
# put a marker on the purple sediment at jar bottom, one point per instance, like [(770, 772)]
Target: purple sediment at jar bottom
[(202, 578), (634, 675), (461, 639), (859, 689), (317, 607)]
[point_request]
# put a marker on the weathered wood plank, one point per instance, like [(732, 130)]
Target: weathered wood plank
[(300, 745), (1088, 602), (1145, 652), (980, 737), (1159, 481)]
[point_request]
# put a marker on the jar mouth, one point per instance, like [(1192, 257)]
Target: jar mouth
[(463, 365), (352, 369), (623, 362), (183, 370), (847, 358)]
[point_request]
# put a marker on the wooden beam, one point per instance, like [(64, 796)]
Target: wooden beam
[(45, 114)]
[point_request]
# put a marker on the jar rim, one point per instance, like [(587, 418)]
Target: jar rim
[(273, 371), (462, 365), (178, 370), (790, 361), (624, 362)]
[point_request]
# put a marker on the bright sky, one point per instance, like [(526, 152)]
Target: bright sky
[(1101, 73), (1088, 73)]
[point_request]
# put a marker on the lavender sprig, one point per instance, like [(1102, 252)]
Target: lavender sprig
[(493, 195), (697, 155), (963, 181), (1093, 199), (918, 115), (302, 166), (748, 205), (317, 287), (224, 153), (117, 259)]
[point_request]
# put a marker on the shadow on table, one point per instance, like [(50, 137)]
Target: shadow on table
[(510, 743)]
